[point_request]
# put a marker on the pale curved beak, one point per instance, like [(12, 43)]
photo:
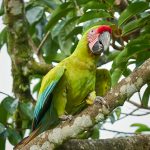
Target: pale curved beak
[(104, 38)]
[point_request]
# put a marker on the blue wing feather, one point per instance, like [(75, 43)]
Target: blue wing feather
[(43, 99)]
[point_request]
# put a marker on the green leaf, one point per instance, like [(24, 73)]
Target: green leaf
[(75, 31), (141, 127), (34, 14), (2, 129), (113, 55), (3, 120), (49, 49), (57, 28), (116, 76), (59, 57), (80, 2), (112, 118), (65, 45), (94, 14), (61, 11), (94, 5), (13, 136), (134, 25), (10, 104), (146, 96), (50, 3), (118, 112), (95, 133), (126, 72), (132, 10), (36, 88), (3, 37), (137, 45), (2, 8), (27, 109), (141, 57)]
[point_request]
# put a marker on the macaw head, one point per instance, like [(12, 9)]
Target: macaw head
[(98, 39)]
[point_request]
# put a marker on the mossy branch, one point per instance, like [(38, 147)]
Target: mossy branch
[(93, 114)]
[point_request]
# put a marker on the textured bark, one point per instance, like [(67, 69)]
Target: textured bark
[(20, 50), (93, 114), (138, 142), (21, 54)]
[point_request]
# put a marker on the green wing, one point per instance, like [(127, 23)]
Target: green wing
[(103, 82), (49, 82)]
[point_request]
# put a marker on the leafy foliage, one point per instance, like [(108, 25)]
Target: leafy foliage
[(60, 23)]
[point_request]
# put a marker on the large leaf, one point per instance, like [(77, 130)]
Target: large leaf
[(95, 132), (61, 11), (59, 57), (134, 25), (49, 49), (3, 37), (2, 129), (80, 2), (27, 110), (10, 104), (2, 8), (36, 88), (118, 112), (50, 3), (13, 136), (142, 43), (132, 10), (146, 96), (3, 120), (57, 28), (65, 45), (75, 31), (116, 76), (94, 14), (94, 5), (34, 14), (141, 57), (141, 127)]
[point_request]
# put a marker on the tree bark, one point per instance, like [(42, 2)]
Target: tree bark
[(93, 114), (138, 142)]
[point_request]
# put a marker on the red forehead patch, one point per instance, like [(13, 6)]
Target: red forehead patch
[(103, 28)]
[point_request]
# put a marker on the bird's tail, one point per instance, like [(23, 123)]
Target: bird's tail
[(26, 140)]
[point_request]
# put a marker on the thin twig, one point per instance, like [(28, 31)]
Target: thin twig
[(6, 94), (138, 105), (137, 114), (140, 96), (128, 114), (42, 42), (119, 132), (32, 44)]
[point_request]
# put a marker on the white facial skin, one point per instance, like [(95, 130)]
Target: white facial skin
[(98, 42)]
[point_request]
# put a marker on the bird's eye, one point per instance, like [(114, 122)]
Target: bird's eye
[(92, 31), (100, 42)]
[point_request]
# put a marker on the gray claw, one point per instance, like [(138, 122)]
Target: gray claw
[(101, 101), (66, 117)]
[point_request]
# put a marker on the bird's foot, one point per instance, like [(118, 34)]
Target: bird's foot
[(66, 117), (91, 98), (101, 101)]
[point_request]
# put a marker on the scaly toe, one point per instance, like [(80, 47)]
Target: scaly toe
[(66, 117), (101, 101)]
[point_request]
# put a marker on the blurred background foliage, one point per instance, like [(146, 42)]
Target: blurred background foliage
[(55, 27)]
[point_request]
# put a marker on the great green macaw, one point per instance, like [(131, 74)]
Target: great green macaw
[(70, 86)]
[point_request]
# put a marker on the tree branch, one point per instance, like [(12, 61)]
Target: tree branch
[(138, 142), (93, 114), (139, 105)]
